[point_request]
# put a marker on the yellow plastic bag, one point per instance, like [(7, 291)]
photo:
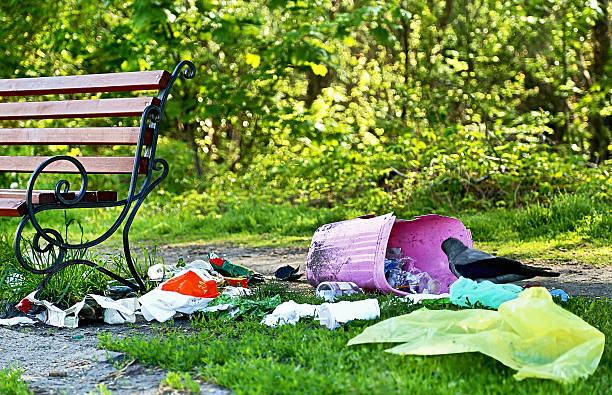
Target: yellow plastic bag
[(530, 334)]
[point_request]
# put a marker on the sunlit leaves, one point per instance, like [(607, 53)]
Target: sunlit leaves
[(253, 60)]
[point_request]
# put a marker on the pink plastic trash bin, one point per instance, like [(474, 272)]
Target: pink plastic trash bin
[(354, 250)]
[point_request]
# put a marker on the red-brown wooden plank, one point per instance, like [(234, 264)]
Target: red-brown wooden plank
[(117, 82), (47, 196), (96, 108), (106, 196), (38, 197), (84, 136), (12, 208), (93, 165)]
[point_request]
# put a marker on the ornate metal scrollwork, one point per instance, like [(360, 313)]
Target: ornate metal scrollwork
[(150, 119), (58, 195)]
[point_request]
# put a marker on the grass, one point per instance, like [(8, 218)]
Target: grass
[(71, 284), (567, 228), (11, 383), (307, 358), (560, 250), (248, 357), (579, 217)]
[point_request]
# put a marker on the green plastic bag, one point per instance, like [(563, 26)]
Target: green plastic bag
[(466, 292), (530, 334)]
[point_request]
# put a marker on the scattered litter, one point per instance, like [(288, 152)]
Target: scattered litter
[(119, 291), (76, 337), (226, 268), (193, 292), (560, 293), (530, 334), (50, 314), (188, 291), (236, 281), (114, 316), (401, 274), (332, 315), (289, 313), (161, 272), (287, 273), (192, 284), (158, 272), (418, 298), (466, 292), (331, 290), (16, 321), (236, 307), (236, 292)]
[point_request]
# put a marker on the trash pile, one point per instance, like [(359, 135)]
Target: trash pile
[(431, 257), (183, 289), (530, 334), (401, 274), (521, 326)]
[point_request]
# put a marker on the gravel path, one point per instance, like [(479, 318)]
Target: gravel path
[(67, 361)]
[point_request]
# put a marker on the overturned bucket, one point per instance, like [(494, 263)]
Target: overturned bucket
[(354, 250)]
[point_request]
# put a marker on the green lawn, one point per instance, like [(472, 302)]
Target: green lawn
[(250, 358), (11, 383)]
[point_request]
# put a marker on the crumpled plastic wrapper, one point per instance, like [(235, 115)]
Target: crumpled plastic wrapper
[(465, 292), (530, 334), (115, 311)]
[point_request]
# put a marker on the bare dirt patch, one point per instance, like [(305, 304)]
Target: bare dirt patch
[(576, 278)]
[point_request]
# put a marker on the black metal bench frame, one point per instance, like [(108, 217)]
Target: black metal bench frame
[(151, 118)]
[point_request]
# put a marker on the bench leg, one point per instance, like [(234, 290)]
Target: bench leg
[(158, 165), (54, 240), (58, 263)]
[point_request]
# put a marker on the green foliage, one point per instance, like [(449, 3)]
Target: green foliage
[(305, 113), (277, 75), (11, 383), (248, 357), (582, 214), (71, 284), (182, 382)]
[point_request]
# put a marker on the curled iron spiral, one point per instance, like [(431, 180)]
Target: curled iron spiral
[(62, 184), (38, 249), (189, 72)]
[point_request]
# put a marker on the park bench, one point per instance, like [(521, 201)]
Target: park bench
[(142, 167)]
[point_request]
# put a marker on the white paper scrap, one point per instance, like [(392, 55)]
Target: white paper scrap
[(289, 313), (16, 321)]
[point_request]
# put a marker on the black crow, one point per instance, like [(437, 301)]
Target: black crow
[(480, 266)]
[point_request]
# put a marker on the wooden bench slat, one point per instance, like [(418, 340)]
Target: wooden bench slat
[(93, 165), (111, 82), (84, 136), (12, 208), (96, 108), (46, 196)]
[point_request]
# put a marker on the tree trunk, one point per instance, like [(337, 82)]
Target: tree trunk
[(194, 146), (600, 138)]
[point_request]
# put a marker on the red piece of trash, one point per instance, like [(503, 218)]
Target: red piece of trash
[(192, 285), (237, 281), (25, 305), (217, 261)]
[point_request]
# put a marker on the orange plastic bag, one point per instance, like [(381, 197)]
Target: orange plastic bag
[(192, 285)]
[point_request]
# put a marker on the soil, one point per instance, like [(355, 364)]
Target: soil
[(576, 278), (58, 360)]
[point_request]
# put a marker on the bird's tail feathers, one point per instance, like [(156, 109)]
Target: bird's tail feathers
[(538, 271)]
